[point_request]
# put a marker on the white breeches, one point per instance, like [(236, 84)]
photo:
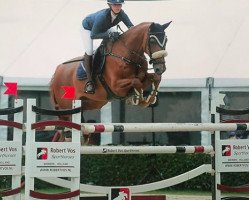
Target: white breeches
[(88, 41)]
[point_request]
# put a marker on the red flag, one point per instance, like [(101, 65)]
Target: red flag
[(69, 92), (11, 88)]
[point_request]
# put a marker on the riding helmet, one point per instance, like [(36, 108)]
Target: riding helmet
[(115, 1)]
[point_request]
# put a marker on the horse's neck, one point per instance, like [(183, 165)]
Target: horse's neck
[(135, 39)]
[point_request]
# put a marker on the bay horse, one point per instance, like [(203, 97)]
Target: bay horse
[(125, 70)]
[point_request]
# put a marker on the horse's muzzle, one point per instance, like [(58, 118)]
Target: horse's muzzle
[(157, 59), (159, 69)]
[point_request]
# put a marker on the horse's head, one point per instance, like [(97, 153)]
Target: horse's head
[(156, 45)]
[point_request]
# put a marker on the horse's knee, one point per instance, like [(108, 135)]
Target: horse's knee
[(136, 83)]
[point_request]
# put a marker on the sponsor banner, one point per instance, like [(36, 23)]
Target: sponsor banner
[(10, 158), (129, 149), (119, 193), (55, 159), (121, 150), (233, 155)]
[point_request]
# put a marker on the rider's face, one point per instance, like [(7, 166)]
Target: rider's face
[(116, 8)]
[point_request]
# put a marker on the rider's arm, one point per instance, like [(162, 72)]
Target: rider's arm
[(98, 35), (101, 25), (97, 24), (126, 20)]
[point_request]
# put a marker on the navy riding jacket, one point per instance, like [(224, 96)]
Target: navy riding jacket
[(98, 23)]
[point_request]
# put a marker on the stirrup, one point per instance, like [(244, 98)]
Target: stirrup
[(89, 87)]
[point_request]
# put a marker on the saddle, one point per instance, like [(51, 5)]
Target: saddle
[(97, 65)]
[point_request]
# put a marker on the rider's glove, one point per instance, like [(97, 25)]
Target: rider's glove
[(114, 36)]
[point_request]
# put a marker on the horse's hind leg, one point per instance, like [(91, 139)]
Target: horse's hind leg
[(63, 135), (67, 135)]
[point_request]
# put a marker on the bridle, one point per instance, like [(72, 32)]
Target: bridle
[(154, 57)]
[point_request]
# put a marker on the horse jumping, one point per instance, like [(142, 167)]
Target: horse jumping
[(124, 75)]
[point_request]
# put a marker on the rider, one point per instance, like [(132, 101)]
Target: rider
[(98, 26)]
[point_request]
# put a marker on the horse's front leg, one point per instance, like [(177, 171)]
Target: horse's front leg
[(145, 101), (123, 86), (152, 80)]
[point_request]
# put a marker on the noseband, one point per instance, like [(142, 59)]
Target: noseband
[(154, 57)]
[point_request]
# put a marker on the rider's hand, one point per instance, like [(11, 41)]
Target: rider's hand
[(114, 36)]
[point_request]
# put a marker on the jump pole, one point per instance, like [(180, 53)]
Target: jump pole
[(162, 127), (154, 127), (146, 149)]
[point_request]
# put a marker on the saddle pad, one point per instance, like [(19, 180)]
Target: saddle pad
[(81, 73), (98, 64)]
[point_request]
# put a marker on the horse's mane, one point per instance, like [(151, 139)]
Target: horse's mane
[(137, 33), (144, 26)]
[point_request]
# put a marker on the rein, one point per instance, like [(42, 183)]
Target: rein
[(153, 56), (125, 59)]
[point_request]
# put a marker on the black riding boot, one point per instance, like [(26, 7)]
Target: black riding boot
[(89, 87)]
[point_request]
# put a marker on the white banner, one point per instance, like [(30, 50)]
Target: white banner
[(10, 158), (54, 159), (233, 155)]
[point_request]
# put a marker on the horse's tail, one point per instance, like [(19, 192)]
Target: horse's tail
[(52, 95)]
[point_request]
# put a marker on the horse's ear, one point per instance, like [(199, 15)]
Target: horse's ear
[(166, 25), (152, 26)]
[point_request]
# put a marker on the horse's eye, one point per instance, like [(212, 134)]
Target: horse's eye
[(153, 41)]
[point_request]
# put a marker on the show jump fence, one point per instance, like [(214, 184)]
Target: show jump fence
[(11, 151), (50, 160)]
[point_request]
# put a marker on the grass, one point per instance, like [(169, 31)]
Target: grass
[(162, 191), (167, 191), (181, 192), (195, 193)]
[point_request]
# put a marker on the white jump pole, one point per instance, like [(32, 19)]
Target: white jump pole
[(162, 127), (146, 149), (155, 127)]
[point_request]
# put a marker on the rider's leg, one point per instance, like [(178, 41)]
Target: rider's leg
[(89, 87)]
